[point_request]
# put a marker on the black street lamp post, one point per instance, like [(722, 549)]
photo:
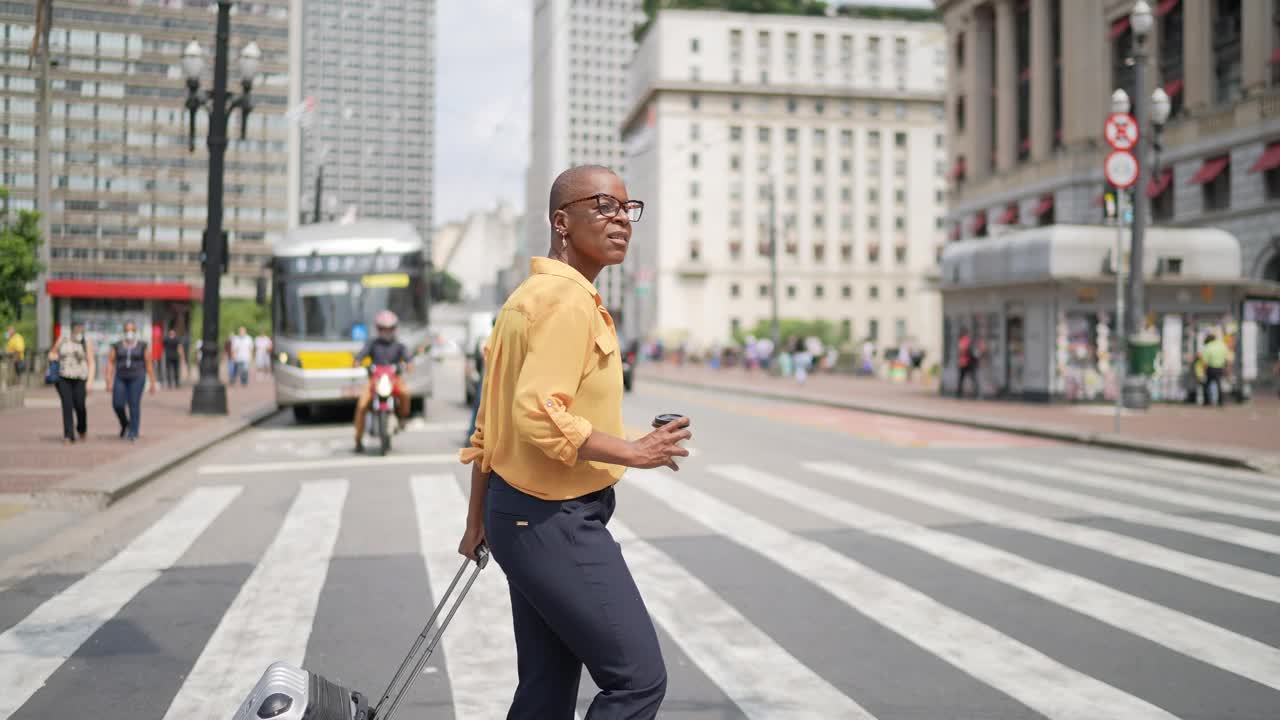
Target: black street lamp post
[(210, 396)]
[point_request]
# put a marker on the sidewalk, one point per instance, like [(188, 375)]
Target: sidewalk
[(1236, 435), (38, 469)]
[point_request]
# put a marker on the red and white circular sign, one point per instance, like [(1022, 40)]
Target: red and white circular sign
[(1121, 168), (1121, 131)]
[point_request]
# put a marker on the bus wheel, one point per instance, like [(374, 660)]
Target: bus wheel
[(301, 413)]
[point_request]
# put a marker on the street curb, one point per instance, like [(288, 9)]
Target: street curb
[(1214, 456), (104, 485)]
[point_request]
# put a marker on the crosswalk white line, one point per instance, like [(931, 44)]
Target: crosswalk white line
[(1195, 501), (1175, 630), (479, 647), (1175, 478), (1219, 531), (272, 615), (1054, 690), (369, 461), (1230, 577), (37, 645), (1210, 470), (762, 678)]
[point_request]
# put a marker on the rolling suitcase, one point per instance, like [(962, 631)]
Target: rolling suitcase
[(288, 692)]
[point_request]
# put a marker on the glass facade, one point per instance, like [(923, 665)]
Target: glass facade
[(129, 199)]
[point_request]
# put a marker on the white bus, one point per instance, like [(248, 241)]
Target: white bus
[(328, 280)]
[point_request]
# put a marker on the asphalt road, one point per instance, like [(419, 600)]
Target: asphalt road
[(804, 563)]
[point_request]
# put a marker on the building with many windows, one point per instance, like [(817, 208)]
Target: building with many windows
[(1031, 90), (580, 53), (828, 130), (128, 196), (366, 78)]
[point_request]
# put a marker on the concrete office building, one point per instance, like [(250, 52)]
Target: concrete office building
[(580, 53), (1032, 83), (842, 118), (366, 74), (128, 198)]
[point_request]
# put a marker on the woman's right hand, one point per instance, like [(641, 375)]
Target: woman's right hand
[(660, 447), (471, 539)]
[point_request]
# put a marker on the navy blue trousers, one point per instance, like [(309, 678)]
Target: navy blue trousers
[(573, 603), (127, 394)]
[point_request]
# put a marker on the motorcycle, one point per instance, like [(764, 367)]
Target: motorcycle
[(382, 409)]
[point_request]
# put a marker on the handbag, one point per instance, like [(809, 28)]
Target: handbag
[(51, 374)]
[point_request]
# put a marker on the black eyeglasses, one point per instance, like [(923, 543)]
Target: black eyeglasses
[(608, 206)]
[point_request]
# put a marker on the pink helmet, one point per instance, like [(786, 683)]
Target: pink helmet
[(386, 319)]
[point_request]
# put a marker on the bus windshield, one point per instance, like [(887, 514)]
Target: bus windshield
[(327, 307)]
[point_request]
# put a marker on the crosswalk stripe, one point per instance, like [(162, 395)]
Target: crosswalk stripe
[(1177, 631), (762, 678), (326, 464), (1189, 481), (1230, 577), (479, 647), (272, 615), (36, 646), (1056, 691), (1106, 482), (1211, 470), (1219, 531)]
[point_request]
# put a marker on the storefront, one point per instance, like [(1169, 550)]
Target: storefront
[(105, 306), (1041, 304)]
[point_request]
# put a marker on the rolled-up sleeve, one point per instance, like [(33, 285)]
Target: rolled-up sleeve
[(554, 363)]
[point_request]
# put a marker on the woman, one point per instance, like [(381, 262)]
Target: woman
[(76, 366), (547, 450), (126, 365)]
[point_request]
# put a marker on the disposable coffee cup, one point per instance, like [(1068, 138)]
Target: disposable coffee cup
[(665, 418)]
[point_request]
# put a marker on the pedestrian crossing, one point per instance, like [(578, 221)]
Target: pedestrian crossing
[(854, 566)]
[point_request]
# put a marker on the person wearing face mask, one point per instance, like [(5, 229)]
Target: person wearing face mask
[(383, 349), (128, 370), (74, 354)]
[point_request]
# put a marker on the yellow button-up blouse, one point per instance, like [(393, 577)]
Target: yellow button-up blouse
[(552, 375)]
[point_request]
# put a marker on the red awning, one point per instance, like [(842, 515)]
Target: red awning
[(1159, 184), (1166, 7), (1046, 204), (979, 221), (1270, 159), (1009, 216), (1210, 170), (1173, 87), (1118, 27), (121, 290)]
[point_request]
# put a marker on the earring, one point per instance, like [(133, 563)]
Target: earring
[(564, 241)]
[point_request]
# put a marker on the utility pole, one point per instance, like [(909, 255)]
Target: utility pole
[(44, 174), (773, 264)]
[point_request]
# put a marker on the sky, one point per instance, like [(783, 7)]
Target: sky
[(482, 103)]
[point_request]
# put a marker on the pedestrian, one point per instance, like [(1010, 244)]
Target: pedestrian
[(967, 358), (15, 346), (548, 448), (174, 358), (242, 354), (1215, 355), (76, 366), (262, 354), (129, 368)]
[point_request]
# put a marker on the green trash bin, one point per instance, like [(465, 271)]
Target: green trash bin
[(1142, 355)]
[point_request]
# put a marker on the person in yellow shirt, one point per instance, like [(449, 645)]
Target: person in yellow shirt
[(15, 347), (1215, 355), (547, 450)]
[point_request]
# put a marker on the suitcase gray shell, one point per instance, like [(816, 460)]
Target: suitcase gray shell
[(286, 692)]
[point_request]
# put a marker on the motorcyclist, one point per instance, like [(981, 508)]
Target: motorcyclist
[(383, 349)]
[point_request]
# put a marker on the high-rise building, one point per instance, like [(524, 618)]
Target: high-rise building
[(580, 53), (366, 74), (1032, 87), (829, 129), (128, 198)]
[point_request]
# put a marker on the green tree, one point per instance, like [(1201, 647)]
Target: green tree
[(19, 265), (824, 330), (232, 313), (446, 287)]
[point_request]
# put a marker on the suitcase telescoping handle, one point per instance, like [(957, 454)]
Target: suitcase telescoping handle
[(406, 682)]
